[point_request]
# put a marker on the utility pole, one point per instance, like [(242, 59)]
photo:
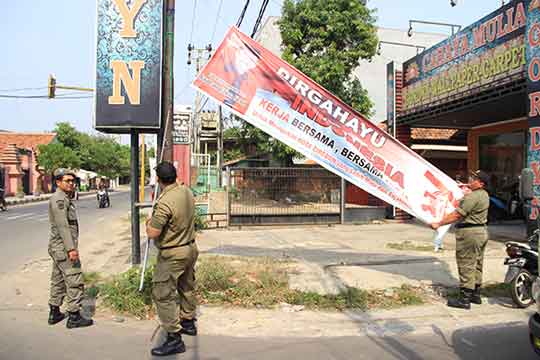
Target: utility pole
[(143, 155), (167, 108), (199, 55), (220, 146)]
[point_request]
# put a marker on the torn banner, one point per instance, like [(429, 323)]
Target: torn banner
[(272, 95)]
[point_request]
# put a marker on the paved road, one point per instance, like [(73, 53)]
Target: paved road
[(24, 229), (25, 335)]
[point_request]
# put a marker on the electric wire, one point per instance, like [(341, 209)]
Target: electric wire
[(241, 18), (217, 19), (193, 21), (262, 10), (22, 89)]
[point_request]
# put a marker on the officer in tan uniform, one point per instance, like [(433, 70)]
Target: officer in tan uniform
[(172, 226), (471, 239), (66, 277)]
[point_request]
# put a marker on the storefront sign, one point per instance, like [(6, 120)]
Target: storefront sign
[(533, 88), (128, 65), (491, 49), (275, 97), (181, 129)]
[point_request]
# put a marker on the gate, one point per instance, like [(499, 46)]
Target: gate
[(258, 196)]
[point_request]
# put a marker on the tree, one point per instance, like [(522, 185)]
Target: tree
[(324, 39), (56, 155)]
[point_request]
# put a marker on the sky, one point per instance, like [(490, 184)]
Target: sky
[(42, 37)]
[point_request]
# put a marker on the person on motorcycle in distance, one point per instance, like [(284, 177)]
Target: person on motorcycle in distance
[(471, 239)]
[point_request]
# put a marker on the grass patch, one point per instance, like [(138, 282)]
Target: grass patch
[(408, 245), (495, 290), (248, 283), (91, 287)]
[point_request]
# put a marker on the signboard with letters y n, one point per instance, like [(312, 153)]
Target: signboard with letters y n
[(128, 65)]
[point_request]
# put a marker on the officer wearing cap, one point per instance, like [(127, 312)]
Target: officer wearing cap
[(172, 226), (66, 277), (471, 239)]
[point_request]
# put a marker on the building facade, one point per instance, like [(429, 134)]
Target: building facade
[(19, 171)]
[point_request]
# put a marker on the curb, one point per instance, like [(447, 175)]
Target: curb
[(15, 202)]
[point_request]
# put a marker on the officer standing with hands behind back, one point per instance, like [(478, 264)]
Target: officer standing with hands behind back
[(172, 227), (66, 277), (471, 239)]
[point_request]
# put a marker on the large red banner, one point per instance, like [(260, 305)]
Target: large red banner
[(272, 95)]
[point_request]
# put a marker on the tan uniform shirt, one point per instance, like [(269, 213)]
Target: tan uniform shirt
[(174, 215), (474, 207), (64, 229)]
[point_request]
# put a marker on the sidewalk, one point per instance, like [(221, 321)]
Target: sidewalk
[(323, 259)]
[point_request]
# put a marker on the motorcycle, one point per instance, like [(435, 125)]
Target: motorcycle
[(3, 203), (522, 262), (103, 199)]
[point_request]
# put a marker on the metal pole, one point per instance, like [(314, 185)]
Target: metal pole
[(168, 84), (220, 148), (135, 226), (143, 155), (342, 201), (228, 196)]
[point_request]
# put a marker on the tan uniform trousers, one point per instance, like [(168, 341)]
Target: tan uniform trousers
[(66, 281), (174, 276), (470, 246)]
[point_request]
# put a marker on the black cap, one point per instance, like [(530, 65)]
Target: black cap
[(166, 171), (481, 175)]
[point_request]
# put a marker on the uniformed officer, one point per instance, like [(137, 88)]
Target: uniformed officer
[(471, 239), (172, 226), (66, 277)]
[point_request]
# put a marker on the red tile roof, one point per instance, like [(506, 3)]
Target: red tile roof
[(25, 140)]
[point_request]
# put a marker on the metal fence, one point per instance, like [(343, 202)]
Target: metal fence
[(283, 195)]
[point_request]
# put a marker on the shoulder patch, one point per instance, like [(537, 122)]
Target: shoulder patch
[(60, 204)]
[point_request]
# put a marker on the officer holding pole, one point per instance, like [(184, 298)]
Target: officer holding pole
[(172, 226)]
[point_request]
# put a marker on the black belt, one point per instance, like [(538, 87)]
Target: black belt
[(177, 246), (465, 225), (73, 222)]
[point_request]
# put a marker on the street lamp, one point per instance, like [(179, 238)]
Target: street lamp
[(452, 26), (417, 47)]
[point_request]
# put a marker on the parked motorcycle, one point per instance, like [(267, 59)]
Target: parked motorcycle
[(103, 199), (522, 262), (3, 203)]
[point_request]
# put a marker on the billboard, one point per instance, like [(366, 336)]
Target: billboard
[(128, 65), (491, 49), (272, 95)]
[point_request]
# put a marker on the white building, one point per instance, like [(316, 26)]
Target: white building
[(372, 74)]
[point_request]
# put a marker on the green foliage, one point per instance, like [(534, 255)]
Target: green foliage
[(55, 155), (100, 154), (325, 39), (200, 219), (122, 292)]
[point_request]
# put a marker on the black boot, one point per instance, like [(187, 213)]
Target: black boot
[(173, 345), (475, 298), (55, 316), (463, 301), (188, 327), (75, 320)]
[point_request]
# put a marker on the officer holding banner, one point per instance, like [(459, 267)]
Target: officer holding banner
[(471, 239)]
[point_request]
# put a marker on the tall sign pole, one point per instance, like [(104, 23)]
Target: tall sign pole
[(165, 141), (391, 106)]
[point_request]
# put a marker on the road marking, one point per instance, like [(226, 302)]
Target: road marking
[(19, 216)]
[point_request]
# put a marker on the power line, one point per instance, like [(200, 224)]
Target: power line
[(6, 96), (241, 18), (22, 89), (217, 19), (259, 17), (193, 21)]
